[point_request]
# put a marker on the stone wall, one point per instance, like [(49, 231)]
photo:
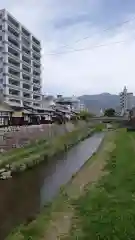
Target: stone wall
[(19, 137)]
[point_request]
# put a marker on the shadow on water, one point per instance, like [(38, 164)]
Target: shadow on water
[(22, 197)]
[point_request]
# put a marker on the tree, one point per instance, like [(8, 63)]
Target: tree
[(110, 112), (85, 115)]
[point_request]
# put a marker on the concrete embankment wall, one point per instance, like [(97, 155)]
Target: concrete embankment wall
[(19, 137)]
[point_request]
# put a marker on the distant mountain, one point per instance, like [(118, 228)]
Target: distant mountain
[(104, 100)]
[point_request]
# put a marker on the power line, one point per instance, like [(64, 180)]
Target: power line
[(88, 48), (87, 37)]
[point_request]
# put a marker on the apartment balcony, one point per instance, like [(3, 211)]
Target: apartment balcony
[(26, 96), (13, 80), (27, 73), (15, 68), (36, 88), (37, 77), (13, 42), (36, 51), (38, 70), (15, 93), (36, 74), (14, 101), (38, 47), (14, 62), (36, 42), (13, 33), (27, 103), (15, 87), (13, 37), (27, 87), (36, 91), (36, 83), (16, 50), (13, 23), (26, 52), (36, 105), (14, 47), (28, 55), (35, 62), (13, 53), (26, 41), (26, 61), (26, 78), (26, 70), (36, 58), (25, 33), (28, 48), (14, 77), (36, 97), (13, 74)]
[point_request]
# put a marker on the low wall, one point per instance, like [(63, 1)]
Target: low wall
[(25, 158), (21, 136)]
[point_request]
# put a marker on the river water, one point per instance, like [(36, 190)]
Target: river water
[(22, 197)]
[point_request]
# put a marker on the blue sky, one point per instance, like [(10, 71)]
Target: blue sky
[(60, 22)]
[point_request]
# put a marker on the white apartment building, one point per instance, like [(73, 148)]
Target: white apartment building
[(20, 63), (72, 103), (126, 101)]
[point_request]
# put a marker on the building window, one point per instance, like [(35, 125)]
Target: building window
[(0, 27), (1, 121)]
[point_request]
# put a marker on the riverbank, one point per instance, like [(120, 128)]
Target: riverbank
[(99, 201), (19, 160), (108, 210), (54, 219)]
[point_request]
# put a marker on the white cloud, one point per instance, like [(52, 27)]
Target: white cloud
[(105, 69)]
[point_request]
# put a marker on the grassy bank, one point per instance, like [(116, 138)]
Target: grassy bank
[(107, 212), (101, 211), (53, 216), (20, 159)]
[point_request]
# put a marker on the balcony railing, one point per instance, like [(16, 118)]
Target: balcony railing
[(13, 66), (14, 76), (14, 46), (14, 95), (28, 55), (37, 53), (14, 56), (14, 86), (36, 45), (37, 69), (26, 63)]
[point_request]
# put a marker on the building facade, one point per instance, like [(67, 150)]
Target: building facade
[(72, 103), (126, 101), (47, 101), (20, 63)]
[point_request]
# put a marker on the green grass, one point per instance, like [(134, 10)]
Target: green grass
[(107, 212), (43, 149)]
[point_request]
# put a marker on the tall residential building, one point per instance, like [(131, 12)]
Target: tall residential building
[(126, 101), (20, 63)]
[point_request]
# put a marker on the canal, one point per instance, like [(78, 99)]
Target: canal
[(22, 197)]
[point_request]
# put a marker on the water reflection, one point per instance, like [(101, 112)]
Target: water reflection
[(63, 169), (19, 200)]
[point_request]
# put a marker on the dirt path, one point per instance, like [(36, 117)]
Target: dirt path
[(63, 212)]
